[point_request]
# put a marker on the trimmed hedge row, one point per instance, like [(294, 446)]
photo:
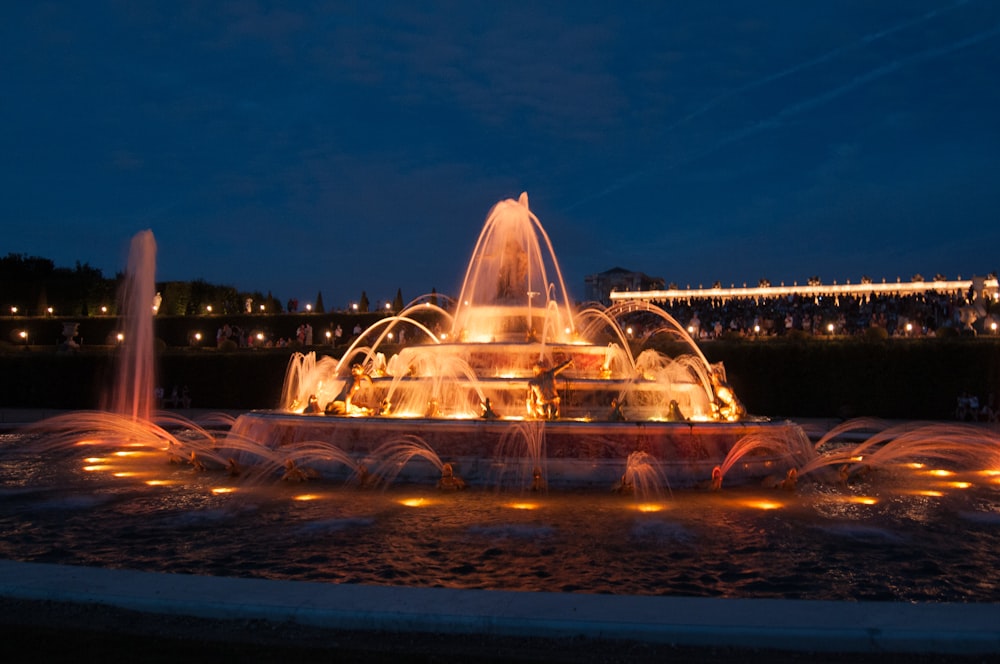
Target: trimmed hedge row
[(907, 379)]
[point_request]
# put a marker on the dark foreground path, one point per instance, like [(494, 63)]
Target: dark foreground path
[(43, 631)]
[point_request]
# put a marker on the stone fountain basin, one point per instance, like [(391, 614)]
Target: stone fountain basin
[(570, 453)]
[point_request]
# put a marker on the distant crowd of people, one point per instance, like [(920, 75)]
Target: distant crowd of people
[(913, 315), (304, 336)]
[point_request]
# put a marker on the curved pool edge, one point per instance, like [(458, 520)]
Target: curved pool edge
[(780, 625)]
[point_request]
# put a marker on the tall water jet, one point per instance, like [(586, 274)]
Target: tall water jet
[(132, 393)]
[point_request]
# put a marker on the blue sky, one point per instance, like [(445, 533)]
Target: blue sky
[(340, 147)]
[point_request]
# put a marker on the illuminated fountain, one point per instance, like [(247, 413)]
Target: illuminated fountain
[(512, 359), (676, 513)]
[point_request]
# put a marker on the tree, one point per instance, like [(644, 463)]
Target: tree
[(319, 303), (363, 303), (397, 304)]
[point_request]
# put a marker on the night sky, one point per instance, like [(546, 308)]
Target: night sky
[(302, 147)]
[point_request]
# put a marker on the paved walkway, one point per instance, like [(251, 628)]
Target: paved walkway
[(782, 625)]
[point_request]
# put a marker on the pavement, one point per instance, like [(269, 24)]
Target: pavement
[(58, 609)]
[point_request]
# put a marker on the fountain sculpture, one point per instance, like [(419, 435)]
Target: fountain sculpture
[(511, 360)]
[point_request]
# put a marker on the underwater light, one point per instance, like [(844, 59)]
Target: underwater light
[(763, 504)]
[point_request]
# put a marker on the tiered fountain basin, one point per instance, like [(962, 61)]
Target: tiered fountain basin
[(568, 452)]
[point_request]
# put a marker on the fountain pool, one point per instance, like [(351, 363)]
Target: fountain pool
[(898, 533), (559, 497)]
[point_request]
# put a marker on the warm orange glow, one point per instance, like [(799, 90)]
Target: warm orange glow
[(863, 500), (125, 473), (159, 482), (95, 460), (87, 442), (990, 473), (307, 496), (763, 504), (219, 490), (938, 472), (649, 507), (929, 493), (523, 506), (960, 485), (414, 502), (96, 467), (916, 465)]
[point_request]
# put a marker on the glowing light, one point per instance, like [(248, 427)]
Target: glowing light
[(220, 490), (990, 473), (124, 473), (158, 482), (938, 472), (309, 307), (50, 310), (95, 460), (916, 465), (13, 310), (87, 442), (523, 506), (763, 504), (197, 336), (97, 467), (120, 337), (127, 453), (307, 497), (414, 502), (208, 308), (960, 485), (930, 493), (649, 507), (863, 500)]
